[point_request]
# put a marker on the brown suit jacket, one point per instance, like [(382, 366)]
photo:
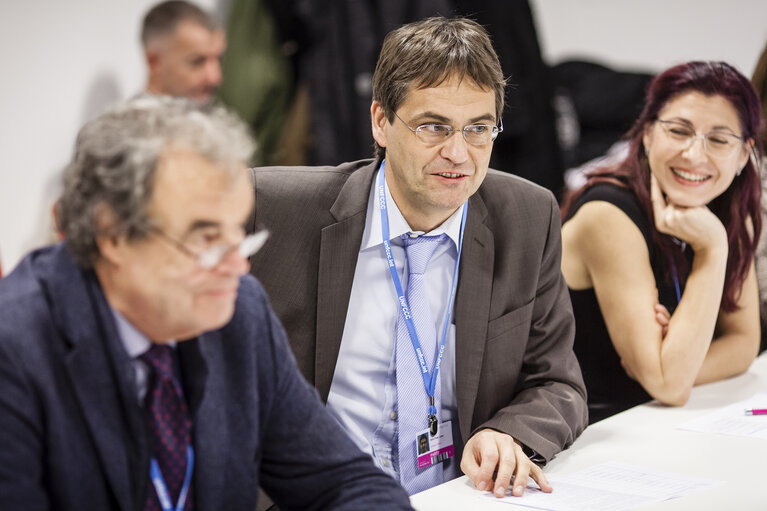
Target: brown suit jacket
[(515, 367)]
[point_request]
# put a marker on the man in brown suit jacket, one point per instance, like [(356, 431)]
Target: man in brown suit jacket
[(438, 92)]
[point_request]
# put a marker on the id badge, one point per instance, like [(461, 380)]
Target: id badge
[(431, 450)]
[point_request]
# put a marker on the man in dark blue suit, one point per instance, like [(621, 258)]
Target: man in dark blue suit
[(155, 257)]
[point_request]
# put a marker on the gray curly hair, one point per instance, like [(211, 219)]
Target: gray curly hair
[(116, 156)]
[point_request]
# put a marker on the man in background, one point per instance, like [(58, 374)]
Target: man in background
[(183, 46), (140, 367), (421, 291)]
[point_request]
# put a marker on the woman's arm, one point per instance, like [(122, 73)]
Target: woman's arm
[(603, 248), (737, 335)]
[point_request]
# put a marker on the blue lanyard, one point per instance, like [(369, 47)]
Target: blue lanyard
[(162, 489), (429, 380)]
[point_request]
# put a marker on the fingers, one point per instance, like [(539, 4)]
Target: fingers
[(663, 322), (662, 315), (663, 318), (695, 225), (663, 212), (480, 458), (522, 470), (666, 215), (657, 199), (537, 474), (508, 466), (661, 310), (490, 453)]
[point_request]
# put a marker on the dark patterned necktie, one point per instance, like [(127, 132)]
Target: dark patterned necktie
[(169, 426)]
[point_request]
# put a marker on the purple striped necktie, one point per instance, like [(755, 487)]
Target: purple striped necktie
[(169, 425), (412, 400)]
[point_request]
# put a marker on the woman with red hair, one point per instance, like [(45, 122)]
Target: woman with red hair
[(658, 250)]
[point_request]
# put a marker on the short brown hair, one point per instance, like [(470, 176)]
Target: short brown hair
[(428, 52), (163, 18)]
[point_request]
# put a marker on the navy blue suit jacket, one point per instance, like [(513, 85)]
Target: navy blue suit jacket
[(73, 436)]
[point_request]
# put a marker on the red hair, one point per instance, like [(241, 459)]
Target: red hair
[(735, 207)]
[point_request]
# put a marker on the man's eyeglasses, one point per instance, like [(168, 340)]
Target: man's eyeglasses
[(474, 134), (717, 144), (208, 255)]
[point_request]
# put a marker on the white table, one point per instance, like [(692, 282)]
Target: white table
[(646, 435)]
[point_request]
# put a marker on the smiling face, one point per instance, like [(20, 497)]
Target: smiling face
[(430, 182), (690, 176), (156, 285)]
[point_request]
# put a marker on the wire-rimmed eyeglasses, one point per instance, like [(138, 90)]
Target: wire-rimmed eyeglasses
[(210, 256), (474, 134), (717, 144)]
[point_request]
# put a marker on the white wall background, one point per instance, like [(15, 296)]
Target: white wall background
[(63, 62), (651, 35)]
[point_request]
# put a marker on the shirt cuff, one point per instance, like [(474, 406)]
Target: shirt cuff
[(533, 456)]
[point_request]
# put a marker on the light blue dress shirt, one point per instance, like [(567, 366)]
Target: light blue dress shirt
[(135, 344), (363, 392)]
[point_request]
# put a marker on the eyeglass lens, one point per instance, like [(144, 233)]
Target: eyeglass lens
[(475, 134), (716, 143), (212, 257)]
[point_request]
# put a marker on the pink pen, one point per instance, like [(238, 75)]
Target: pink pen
[(756, 411)]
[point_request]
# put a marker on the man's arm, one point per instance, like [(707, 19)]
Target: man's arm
[(21, 453), (549, 410)]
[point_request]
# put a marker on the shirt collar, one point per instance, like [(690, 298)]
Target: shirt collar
[(398, 226), (134, 342)]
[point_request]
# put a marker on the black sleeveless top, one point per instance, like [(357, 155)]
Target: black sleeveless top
[(610, 390)]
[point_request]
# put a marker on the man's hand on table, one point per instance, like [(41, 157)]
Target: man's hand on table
[(490, 453)]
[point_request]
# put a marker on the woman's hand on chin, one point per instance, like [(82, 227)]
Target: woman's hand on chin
[(696, 226)]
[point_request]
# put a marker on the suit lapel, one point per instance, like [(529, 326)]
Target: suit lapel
[(78, 309), (339, 248), (472, 309), (100, 404)]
